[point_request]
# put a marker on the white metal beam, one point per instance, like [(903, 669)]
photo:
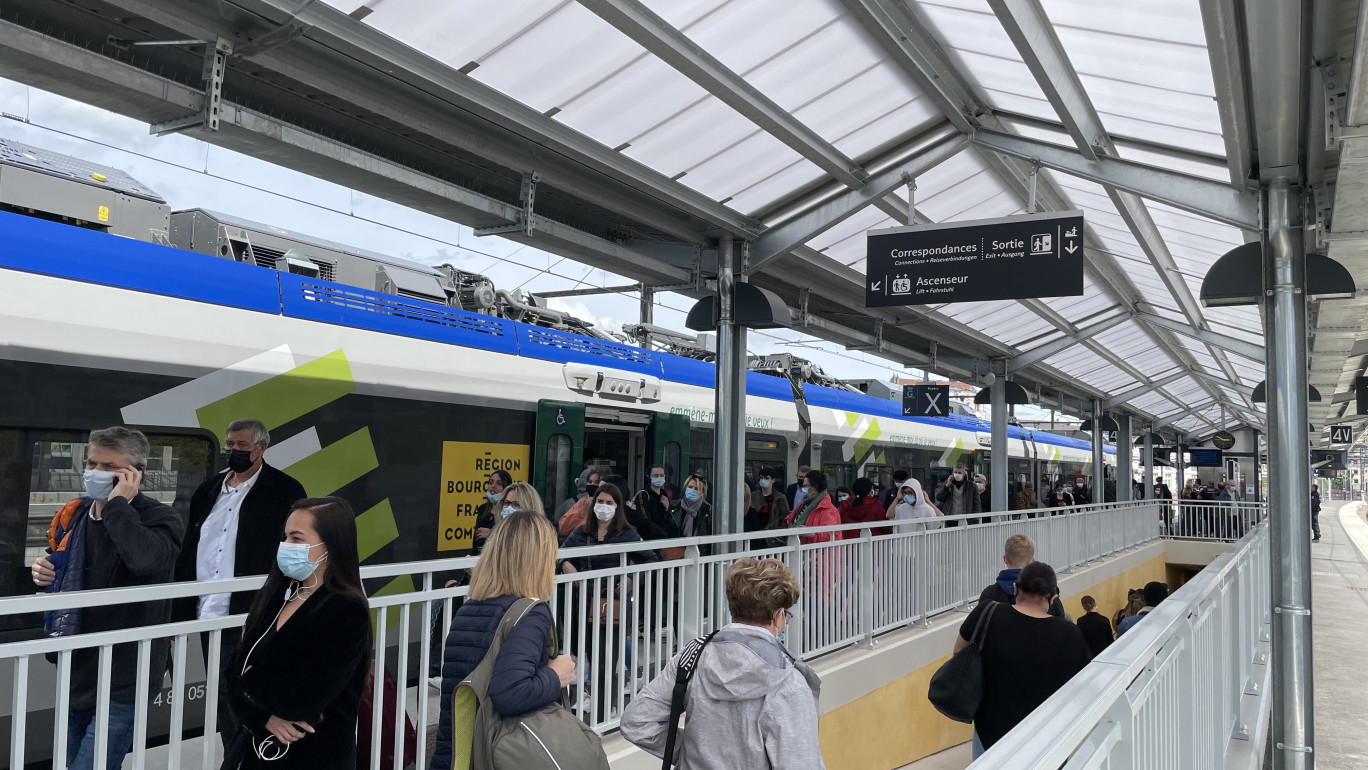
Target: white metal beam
[(1175, 417), (799, 230), (1136, 392), (1042, 352), (1204, 197), (1235, 345), (673, 47), (1225, 47)]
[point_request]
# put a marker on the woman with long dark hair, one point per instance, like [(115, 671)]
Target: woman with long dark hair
[(297, 677), (607, 526), (488, 513)]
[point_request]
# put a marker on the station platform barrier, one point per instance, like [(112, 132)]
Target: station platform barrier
[(879, 614)]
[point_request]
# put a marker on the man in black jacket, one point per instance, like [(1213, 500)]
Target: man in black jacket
[(1095, 627), (886, 497), (115, 537), (236, 519)]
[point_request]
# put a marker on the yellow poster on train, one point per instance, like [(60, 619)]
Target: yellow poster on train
[(465, 467)]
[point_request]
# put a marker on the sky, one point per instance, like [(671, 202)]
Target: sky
[(190, 173)]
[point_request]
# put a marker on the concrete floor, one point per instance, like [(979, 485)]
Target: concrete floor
[(1339, 605)]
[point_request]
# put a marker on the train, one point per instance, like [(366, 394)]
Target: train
[(394, 384)]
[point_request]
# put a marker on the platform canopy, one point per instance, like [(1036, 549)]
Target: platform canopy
[(632, 134)]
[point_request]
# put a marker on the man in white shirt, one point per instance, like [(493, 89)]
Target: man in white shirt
[(236, 520)]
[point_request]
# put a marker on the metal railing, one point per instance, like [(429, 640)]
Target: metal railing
[(623, 624), (1211, 519), (1170, 693)]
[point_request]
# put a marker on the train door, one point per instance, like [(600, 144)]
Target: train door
[(558, 455), (671, 447), (617, 440)]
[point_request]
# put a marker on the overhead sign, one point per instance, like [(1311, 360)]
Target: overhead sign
[(926, 400), (1341, 434), (465, 467), (1021, 257)]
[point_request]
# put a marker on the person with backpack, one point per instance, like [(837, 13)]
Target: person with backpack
[(518, 561), (750, 702)]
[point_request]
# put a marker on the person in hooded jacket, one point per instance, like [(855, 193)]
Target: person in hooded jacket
[(1016, 554), (751, 703), (817, 509), (957, 496), (912, 503)]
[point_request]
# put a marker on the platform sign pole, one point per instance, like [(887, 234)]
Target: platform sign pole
[(1148, 462), (998, 482), (731, 374), (1124, 472), (1289, 481), (1099, 457)]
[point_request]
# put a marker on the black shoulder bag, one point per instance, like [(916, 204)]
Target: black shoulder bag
[(688, 662), (957, 686)]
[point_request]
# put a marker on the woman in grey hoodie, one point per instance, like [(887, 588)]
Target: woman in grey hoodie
[(750, 703)]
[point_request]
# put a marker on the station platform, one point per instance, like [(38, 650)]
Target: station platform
[(1340, 618)]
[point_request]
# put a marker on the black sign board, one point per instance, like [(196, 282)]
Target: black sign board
[(1341, 434), (926, 400), (1361, 394), (1021, 257), (1328, 459)]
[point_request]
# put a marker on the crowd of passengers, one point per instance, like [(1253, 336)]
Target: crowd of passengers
[(294, 679)]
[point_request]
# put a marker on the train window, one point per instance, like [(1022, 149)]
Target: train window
[(559, 452), (671, 460), (41, 470), (839, 474)]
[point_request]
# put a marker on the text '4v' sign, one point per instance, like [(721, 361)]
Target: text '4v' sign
[(1021, 257)]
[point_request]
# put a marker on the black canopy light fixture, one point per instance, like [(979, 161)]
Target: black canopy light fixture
[(1015, 394), (1237, 278)]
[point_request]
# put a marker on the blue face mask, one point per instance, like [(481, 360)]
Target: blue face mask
[(802, 492), (293, 560), (507, 511), (657, 481), (765, 483), (783, 636), (494, 497), (99, 485), (910, 499), (691, 495)]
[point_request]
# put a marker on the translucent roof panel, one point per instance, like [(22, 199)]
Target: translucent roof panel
[(1145, 69), (1081, 362), (1004, 320), (971, 33)]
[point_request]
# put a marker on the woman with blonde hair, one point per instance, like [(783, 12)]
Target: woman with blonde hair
[(519, 561)]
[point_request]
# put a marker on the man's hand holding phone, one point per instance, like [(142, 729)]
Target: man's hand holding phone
[(129, 481)]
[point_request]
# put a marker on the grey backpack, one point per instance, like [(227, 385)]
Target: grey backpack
[(550, 738)]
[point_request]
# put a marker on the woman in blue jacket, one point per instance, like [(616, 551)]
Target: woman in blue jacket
[(609, 526), (518, 562)]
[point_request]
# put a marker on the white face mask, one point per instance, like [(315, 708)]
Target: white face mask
[(99, 485), (979, 484), (959, 477), (605, 511)]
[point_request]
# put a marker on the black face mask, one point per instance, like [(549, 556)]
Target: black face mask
[(239, 460), (592, 489)]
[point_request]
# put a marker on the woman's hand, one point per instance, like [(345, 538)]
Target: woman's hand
[(564, 666), (567, 568), (482, 533), (287, 732)]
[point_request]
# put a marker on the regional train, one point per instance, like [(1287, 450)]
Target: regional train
[(394, 384)]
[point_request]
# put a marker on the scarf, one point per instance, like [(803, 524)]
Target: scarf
[(690, 510), (808, 507)]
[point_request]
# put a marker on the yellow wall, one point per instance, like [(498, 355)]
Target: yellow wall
[(895, 724), (1111, 594), (889, 727)]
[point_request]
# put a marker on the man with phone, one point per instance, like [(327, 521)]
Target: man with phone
[(236, 520), (113, 537)]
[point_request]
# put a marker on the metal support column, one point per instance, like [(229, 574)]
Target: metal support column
[(1148, 462), (998, 417), (647, 314), (731, 372), (1180, 463), (1099, 457), (1288, 480), (1124, 473), (737, 434)]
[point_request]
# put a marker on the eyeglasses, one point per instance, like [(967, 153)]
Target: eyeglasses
[(788, 617)]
